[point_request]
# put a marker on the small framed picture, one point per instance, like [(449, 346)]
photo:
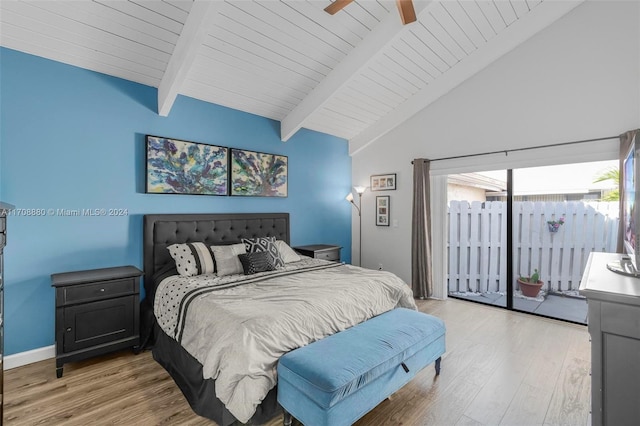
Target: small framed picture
[(382, 210), (383, 182)]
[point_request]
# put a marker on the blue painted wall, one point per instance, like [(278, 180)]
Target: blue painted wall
[(74, 139)]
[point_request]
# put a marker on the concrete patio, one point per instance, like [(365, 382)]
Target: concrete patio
[(569, 308)]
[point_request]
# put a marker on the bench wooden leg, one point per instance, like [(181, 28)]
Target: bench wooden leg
[(438, 366), (287, 418)]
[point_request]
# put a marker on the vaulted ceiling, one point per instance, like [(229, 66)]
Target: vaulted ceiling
[(357, 74)]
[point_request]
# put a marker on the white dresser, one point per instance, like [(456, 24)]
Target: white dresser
[(614, 326)]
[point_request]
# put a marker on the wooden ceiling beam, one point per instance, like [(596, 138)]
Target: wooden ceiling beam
[(193, 34), (407, 13), (337, 6), (363, 54)]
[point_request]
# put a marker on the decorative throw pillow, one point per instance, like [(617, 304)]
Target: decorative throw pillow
[(287, 253), (227, 262), (192, 259), (266, 244), (253, 263)]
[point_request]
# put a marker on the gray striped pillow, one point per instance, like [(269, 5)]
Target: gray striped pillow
[(192, 259)]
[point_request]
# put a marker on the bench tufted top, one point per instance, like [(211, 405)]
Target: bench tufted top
[(330, 369)]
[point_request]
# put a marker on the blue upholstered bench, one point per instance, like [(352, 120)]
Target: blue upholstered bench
[(340, 378)]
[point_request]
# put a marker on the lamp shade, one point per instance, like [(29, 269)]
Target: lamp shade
[(360, 189), (349, 198)]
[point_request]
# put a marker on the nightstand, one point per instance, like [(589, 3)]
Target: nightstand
[(320, 251), (97, 311)]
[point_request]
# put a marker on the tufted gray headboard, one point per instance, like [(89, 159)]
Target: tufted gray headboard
[(162, 230)]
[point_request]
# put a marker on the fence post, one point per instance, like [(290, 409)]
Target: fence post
[(454, 220)]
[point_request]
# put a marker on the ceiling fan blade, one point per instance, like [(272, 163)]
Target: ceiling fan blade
[(407, 12), (336, 6)]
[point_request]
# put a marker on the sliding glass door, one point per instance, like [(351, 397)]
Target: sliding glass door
[(477, 237), (552, 216), (560, 215)]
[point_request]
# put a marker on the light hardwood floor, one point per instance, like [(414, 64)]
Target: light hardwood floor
[(500, 368)]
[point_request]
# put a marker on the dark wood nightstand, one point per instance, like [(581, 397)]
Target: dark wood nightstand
[(320, 251), (97, 311)]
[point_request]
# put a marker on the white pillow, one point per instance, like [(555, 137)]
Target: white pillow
[(227, 261), (287, 253)]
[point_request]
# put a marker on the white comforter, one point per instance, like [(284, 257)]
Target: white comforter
[(237, 327)]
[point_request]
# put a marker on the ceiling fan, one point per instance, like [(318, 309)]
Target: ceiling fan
[(405, 7)]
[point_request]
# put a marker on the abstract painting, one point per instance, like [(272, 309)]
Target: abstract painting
[(181, 167), (258, 174)]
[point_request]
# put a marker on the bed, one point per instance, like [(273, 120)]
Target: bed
[(198, 355)]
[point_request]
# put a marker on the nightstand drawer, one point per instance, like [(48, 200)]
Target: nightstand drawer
[(320, 251), (96, 291), (328, 255)]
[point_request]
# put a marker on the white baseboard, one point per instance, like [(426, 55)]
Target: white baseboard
[(28, 357)]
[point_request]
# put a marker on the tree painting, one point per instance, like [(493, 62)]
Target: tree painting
[(180, 167), (258, 174)]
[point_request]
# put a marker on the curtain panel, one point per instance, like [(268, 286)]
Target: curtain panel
[(421, 260)]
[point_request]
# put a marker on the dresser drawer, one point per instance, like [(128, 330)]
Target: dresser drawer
[(620, 319), (96, 291)]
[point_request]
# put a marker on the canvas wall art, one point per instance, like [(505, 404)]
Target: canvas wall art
[(258, 174), (181, 167)]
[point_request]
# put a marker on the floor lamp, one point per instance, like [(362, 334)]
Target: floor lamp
[(360, 190)]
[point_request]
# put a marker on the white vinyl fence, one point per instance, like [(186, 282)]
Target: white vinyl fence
[(477, 241)]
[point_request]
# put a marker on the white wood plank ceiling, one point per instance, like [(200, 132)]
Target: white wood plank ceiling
[(356, 75)]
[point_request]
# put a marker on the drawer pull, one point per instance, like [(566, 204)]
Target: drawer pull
[(68, 329), (102, 290)]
